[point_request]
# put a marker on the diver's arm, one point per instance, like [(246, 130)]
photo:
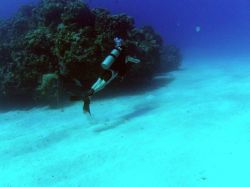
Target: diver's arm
[(129, 62), (130, 59)]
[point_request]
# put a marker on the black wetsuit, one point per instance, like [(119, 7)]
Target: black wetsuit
[(119, 66)]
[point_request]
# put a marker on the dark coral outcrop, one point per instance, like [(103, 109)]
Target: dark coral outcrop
[(60, 41)]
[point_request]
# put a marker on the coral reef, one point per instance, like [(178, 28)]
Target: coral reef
[(170, 58), (64, 40)]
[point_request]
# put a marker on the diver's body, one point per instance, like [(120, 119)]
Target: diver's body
[(116, 64)]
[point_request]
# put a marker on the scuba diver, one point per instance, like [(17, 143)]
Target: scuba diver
[(116, 64)]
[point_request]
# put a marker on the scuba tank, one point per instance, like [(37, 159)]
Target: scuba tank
[(109, 60)]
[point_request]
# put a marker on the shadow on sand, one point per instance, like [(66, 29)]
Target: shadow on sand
[(114, 90), (137, 111)]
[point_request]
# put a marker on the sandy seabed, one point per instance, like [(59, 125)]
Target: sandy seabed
[(191, 132)]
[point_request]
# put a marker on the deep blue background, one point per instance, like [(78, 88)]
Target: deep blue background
[(225, 24)]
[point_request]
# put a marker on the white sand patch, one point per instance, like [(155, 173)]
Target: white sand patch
[(192, 132)]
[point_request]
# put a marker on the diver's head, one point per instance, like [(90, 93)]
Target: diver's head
[(118, 42)]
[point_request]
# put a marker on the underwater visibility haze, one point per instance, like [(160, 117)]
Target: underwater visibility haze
[(224, 24), (124, 93)]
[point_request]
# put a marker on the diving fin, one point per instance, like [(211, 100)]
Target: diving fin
[(86, 105)]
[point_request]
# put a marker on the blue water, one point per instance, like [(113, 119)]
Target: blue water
[(190, 130), (224, 24)]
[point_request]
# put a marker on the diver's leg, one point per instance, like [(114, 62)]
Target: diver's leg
[(114, 75), (111, 75), (105, 79), (101, 84), (95, 85)]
